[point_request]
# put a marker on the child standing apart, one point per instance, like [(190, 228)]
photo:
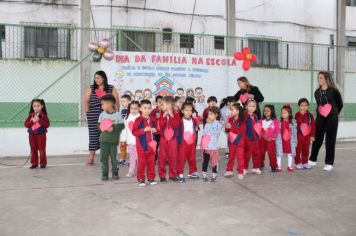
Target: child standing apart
[(109, 136), (168, 151), (212, 102), (125, 101), (130, 138), (286, 141), (37, 124), (270, 131), (252, 146), (186, 143), (210, 144), (306, 133), (235, 127), (143, 129)]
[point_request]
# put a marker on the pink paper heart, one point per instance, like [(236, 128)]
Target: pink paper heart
[(35, 126), (189, 137), (287, 135), (268, 131), (305, 128), (232, 137), (244, 97), (205, 140), (105, 124), (168, 133), (153, 146), (131, 125), (325, 110), (258, 128), (100, 93)]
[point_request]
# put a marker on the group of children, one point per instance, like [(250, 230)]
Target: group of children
[(169, 134)]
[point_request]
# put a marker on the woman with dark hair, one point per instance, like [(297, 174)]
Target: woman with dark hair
[(252, 91), (329, 101), (92, 108)]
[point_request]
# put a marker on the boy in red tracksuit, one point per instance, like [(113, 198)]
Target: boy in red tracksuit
[(186, 143), (37, 124), (168, 126), (252, 146), (305, 133), (235, 127), (155, 114), (144, 128)]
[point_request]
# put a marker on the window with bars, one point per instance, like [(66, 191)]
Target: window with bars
[(219, 42), (137, 41), (266, 51), (42, 42), (167, 34), (186, 40)]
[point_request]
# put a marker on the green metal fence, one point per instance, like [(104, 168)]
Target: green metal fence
[(46, 61)]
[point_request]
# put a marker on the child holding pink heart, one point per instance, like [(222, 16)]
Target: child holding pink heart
[(37, 124), (186, 143), (235, 127), (270, 131), (286, 141), (129, 138), (210, 144), (306, 133), (253, 134)]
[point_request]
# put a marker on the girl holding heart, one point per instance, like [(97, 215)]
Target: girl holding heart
[(248, 91), (306, 133), (37, 124), (129, 138), (286, 141), (329, 101)]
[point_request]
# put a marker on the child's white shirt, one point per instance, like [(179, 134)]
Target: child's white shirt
[(188, 125), (126, 134)]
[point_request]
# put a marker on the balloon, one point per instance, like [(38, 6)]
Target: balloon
[(104, 43), (108, 55), (246, 51), (239, 56), (96, 56), (93, 47), (246, 65), (101, 50)]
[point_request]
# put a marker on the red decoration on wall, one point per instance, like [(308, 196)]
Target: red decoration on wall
[(247, 58)]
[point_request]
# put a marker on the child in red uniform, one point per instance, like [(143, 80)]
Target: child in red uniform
[(186, 143), (155, 114), (286, 141), (212, 102), (252, 146), (168, 126), (306, 133), (235, 127), (270, 131), (144, 128), (37, 123)]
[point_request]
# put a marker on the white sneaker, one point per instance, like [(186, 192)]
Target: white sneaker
[(299, 166), (256, 171), (245, 171), (228, 174), (240, 176), (305, 166), (310, 165), (328, 167)]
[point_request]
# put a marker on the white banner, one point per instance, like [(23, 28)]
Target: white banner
[(146, 75)]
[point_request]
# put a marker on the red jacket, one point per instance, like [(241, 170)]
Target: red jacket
[(307, 118), (43, 122), (142, 138), (237, 127), (172, 122), (181, 129)]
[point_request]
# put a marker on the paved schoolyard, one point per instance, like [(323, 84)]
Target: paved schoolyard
[(68, 198)]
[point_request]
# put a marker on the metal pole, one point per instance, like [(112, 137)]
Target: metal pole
[(340, 45), (230, 27)]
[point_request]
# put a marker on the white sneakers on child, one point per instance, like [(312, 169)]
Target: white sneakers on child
[(310, 164), (299, 166), (240, 176), (256, 171), (328, 167), (228, 174)]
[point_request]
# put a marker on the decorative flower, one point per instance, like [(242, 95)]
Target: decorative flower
[(247, 58)]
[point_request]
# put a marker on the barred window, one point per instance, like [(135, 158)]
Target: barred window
[(266, 51), (167, 34), (186, 40), (219, 42), (137, 41)]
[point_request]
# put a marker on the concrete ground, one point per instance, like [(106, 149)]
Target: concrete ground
[(68, 198)]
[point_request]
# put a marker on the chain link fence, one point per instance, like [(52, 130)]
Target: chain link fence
[(47, 61)]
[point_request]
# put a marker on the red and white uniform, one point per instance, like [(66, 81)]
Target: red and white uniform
[(252, 145), (236, 144), (168, 145), (146, 155), (302, 150), (270, 131), (187, 145)]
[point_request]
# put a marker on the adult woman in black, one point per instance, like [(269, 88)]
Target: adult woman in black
[(252, 91), (92, 108), (326, 123)]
